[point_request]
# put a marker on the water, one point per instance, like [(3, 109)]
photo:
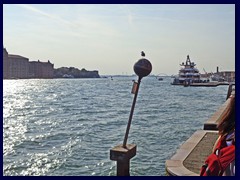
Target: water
[(61, 127)]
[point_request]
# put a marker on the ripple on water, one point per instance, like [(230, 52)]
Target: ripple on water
[(69, 126)]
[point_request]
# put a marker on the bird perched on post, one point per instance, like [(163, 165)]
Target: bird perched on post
[(142, 54)]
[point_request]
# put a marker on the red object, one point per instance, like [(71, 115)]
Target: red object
[(217, 162)]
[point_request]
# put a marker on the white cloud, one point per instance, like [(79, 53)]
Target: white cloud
[(52, 16)]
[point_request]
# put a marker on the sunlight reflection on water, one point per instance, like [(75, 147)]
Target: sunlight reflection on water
[(68, 126)]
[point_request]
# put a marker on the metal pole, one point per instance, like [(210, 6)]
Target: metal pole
[(124, 152), (131, 113)]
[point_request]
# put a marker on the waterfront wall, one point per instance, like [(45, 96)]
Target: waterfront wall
[(189, 158)]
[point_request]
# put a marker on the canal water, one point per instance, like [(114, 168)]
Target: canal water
[(66, 127)]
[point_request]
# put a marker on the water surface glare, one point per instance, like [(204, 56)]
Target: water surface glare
[(66, 127)]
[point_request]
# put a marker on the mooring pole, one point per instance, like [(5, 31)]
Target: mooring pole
[(124, 152)]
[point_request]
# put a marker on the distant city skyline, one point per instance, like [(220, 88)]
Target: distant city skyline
[(110, 37)]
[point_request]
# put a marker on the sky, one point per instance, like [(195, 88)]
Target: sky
[(110, 37)]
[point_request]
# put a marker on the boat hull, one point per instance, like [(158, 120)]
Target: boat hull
[(208, 84)]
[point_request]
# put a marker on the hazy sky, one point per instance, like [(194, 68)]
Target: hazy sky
[(110, 37)]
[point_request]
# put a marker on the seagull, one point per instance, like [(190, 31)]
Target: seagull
[(142, 54)]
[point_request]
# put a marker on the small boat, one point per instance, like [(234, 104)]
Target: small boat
[(68, 76)]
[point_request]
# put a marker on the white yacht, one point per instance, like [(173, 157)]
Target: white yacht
[(188, 74)]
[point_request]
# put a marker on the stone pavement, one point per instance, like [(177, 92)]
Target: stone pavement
[(191, 155), (196, 158), (189, 158)]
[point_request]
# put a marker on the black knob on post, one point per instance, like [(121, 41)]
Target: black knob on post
[(142, 67)]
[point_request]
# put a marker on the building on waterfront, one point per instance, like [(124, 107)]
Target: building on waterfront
[(5, 64), (229, 76), (19, 67), (39, 69)]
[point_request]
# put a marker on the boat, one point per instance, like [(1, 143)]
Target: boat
[(68, 76), (188, 74), (217, 77)]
